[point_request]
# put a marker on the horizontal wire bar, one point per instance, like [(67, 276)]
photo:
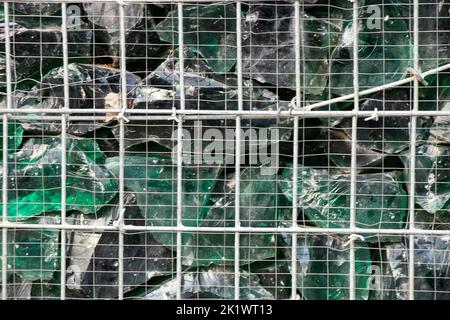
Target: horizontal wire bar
[(218, 114), (301, 230)]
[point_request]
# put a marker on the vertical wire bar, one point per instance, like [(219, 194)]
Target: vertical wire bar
[(180, 149), (124, 102), (237, 202), (354, 163), (5, 156), (295, 151), (64, 148), (412, 165)]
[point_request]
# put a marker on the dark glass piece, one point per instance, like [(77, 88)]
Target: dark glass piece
[(209, 30), (90, 87), (204, 90), (432, 176), (212, 283), (385, 49)]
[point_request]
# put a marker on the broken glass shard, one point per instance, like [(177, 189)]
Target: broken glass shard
[(387, 134), (144, 257), (90, 87), (440, 130), (213, 283), (36, 49), (261, 206), (141, 39), (18, 289), (204, 90), (107, 15), (37, 9), (324, 196), (323, 268), (432, 176), (431, 267), (275, 276), (269, 47), (34, 184), (340, 150), (81, 244), (385, 50), (153, 179), (434, 23), (209, 30), (15, 133)]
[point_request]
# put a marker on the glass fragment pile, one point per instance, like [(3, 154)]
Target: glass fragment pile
[(212, 190)]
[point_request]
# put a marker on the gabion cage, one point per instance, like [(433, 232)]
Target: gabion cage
[(225, 149)]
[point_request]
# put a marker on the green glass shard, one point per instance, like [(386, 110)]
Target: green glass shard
[(275, 276), (154, 180), (35, 170), (261, 206), (208, 29), (432, 274), (324, 197), (323, 268), (385, 50), (33, 254), (432, 176), (340, 150), (440, 130), (389, 135), (204, 90), (214, 283)]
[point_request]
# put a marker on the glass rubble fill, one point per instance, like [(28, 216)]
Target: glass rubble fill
[(209, 191), (205, 90)]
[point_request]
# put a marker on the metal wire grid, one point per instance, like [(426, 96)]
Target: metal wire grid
[(298, 113)]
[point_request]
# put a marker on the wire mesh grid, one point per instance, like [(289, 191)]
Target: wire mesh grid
[(225, 149)]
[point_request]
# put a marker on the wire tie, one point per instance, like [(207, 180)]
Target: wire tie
[(121, 2), (173, 116), (373, 116), (418, 76), (353, 237)]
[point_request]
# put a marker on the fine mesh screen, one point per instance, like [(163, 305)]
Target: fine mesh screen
[(225, 149)]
